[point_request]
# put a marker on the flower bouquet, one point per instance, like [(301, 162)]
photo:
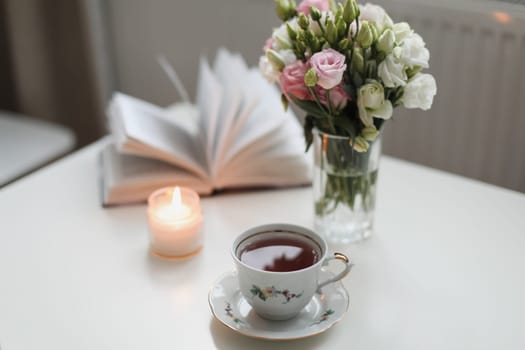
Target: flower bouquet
[(347, 66)]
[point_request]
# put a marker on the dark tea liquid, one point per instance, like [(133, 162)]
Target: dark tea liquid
[(280, 253)]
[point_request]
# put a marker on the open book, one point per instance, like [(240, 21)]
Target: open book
[(236, 135)]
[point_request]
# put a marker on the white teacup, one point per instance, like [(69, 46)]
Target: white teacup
[(282, 295)]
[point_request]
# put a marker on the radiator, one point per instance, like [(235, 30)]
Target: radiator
[(476, 126)]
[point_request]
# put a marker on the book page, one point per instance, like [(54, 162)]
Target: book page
[(209, 95), (267, 116), (185, 116), (287, 139), (116, 125), (251, 96), (147, 133), (279, 162), (230, 70), (268, 171), (130, 179)]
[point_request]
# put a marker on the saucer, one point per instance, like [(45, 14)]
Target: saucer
[(322, 312)]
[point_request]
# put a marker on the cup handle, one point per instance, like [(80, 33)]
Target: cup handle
[(342, 274)]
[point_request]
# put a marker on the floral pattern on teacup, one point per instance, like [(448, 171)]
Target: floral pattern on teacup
[(272, 292)]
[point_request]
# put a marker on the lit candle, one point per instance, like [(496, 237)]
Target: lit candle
[(175, 222)]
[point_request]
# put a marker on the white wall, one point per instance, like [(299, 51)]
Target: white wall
[(182, 30)]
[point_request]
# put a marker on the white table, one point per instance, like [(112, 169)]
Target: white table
[(445, 269)]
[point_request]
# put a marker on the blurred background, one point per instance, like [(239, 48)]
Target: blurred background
[(60, 62)]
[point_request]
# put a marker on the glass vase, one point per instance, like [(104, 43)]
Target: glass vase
[(344, 188)]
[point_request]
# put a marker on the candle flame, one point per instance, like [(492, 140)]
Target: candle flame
[(176, 200)]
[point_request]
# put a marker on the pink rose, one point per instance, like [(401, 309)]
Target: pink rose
[(329, 66), (269, 44), (292, 81), (338, 97), (304, 6)]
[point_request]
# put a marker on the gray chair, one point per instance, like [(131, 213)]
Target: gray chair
[(27, 144)]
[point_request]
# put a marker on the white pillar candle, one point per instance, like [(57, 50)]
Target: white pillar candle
[(175, 222)]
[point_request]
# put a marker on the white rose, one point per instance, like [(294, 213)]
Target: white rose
[(383, 112), (281, 39), (402, 30), (420, 91), (267, 70), (372, 95), (377, 14), (288, 57), (392, 72), (413, 51), (371, 103)]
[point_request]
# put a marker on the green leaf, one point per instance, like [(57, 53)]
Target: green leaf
[(357, 79), (345, 124), (310, 108), (378, 123), (284, 102), (308, 135), (349, 90), (395, 95)]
